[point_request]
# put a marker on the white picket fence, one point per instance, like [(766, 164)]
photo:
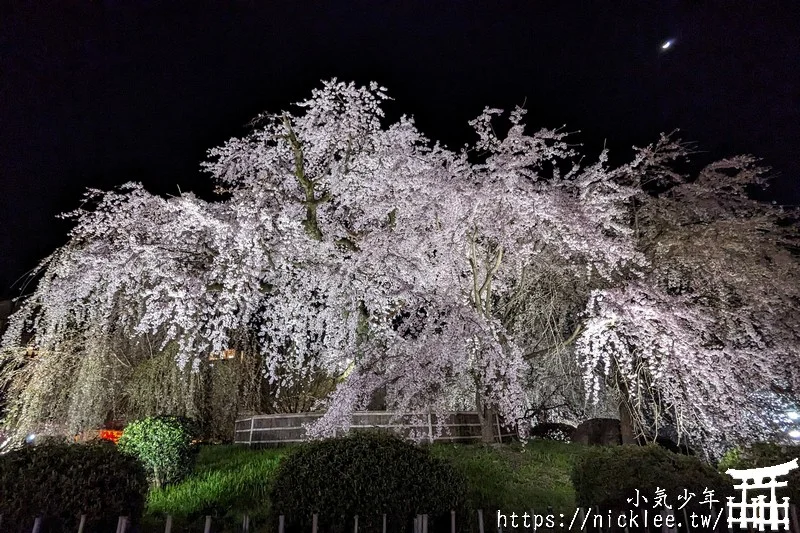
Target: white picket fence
[(581, 520)]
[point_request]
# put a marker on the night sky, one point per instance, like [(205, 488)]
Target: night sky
[(96, 93)]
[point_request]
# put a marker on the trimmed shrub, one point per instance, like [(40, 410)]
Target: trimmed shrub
[(163, 444), (605, 477), (764, 454), (366, 474), (62, 481), (553, 431)]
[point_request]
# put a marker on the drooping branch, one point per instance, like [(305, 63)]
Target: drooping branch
[(560, 346)]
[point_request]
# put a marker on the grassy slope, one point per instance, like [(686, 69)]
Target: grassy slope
[(229, 480), (516, 478), (226, 482)]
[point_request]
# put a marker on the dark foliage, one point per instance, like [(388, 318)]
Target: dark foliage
[(765, 454), (606, 477), (553, 431), (673, 446), (59, 482), (366, 474)]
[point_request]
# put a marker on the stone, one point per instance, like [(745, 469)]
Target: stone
[(598, 432)]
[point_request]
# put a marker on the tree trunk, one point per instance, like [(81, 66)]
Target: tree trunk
[(488, 426), (487, 418), (626, 424), (625, 419)]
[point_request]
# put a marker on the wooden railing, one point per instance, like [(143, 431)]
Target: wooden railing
[(278, 429)]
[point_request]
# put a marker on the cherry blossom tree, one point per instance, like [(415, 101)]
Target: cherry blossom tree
[(712, 331), (346, 247), (423, 220)]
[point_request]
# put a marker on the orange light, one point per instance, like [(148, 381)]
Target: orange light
[(110, 434), (230, 353)]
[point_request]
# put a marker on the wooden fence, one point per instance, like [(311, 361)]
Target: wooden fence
[(275, 430), (546, 521)]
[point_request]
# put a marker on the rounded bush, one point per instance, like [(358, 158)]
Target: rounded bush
[(764, 454), (605, 477), (163, 444), (553, 431), (59, 482), (366, 474)]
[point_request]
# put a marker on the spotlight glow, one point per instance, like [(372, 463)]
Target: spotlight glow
[(667, 44)]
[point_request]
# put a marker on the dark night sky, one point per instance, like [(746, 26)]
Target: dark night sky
[(95, 93)]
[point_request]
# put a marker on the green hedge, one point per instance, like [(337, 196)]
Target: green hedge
[(62, 481), (366, 474), (163, 445), (606, 476)]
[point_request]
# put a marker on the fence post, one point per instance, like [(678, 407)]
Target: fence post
[(168, 524), (37, 524), (452, 522), (280, 524), (430, 428), (82, 523), (425, 523), (499, 431), (480, 520), (122, 524), (314, 523), (246, 523), (355, 524), (207, 529), (250, 437), (384, 524)]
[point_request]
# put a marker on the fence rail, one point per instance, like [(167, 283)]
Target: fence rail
[(277, 429), (496, 521)]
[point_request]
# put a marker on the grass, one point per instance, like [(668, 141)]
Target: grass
[(228, 481), (516, 478)]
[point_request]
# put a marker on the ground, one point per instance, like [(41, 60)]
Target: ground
[(229, 479)]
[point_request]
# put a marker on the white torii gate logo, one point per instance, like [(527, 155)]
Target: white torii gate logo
[(759, 512)]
